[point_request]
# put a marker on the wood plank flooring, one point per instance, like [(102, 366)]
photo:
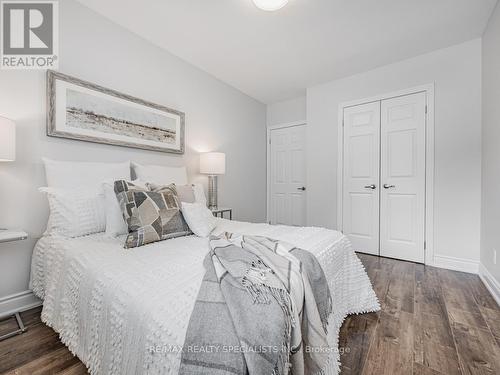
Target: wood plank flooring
[(433, 322)]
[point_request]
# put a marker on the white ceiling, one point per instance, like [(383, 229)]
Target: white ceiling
[(273, 56)]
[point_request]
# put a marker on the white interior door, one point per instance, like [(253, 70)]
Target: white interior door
[(402, 196), (288, 176), (361, 176)]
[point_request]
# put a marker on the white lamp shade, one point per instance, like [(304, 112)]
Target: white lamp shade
[(213, 163), (270, 5), (7, 139)]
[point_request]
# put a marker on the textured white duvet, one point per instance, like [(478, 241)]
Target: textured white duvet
[(112, 306)]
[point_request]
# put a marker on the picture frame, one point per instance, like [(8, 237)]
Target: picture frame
[(81, 110)]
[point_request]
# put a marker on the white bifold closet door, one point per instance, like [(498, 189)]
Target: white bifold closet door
[(384, 177), (402, 175), (361, 193)]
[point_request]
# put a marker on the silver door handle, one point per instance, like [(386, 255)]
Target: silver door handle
[(372, 186), (389, 186), (302, 188)]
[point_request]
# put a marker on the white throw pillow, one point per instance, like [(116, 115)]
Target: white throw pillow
[(160, 175), (115, 223), (199, 218), (75, 212), (199, 194), (66, 174)]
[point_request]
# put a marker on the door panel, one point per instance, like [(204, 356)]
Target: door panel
[(298, 166), (298, 209), (401, 147), (402, 163), (288, 176), (361, 224), (361, 170), (401, 217), (360, 159), (280, 207)]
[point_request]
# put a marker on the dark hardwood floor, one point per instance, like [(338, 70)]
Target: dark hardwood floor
[(433, 322)]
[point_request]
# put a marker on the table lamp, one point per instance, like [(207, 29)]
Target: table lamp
[(213, 164), (7, 139)]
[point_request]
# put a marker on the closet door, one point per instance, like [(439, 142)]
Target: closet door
[(361, 190), (402, 175)]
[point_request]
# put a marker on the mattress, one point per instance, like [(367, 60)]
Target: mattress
[(127, 311)]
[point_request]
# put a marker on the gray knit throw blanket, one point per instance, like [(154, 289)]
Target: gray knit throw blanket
[(262, 308)]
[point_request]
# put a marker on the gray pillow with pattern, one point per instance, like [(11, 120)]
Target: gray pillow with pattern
[(154, 216), (124, 193)]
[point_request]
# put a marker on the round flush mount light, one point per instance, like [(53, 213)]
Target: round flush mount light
[(270, 5)]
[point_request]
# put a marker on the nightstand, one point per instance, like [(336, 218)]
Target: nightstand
[(219, 212), (7, 235)]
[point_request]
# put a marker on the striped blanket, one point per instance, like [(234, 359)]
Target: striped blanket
[(262, 308)]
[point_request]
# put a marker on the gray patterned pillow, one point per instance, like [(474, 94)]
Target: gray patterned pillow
[(124, 193), (154, 217)]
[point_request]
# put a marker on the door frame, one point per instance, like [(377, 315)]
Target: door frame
[(429, 160), (268, 161)]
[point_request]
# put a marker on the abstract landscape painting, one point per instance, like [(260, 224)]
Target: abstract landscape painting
[(84, 111)]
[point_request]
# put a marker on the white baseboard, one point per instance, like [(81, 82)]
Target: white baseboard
[(18, 302), (456, 264), (490, 282)]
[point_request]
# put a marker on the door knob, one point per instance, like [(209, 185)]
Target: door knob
[(372, 186), (389, 186), (301, 188)]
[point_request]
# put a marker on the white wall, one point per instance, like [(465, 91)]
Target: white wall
[(490, 219), (218, 117), (456, 72), (293, 110)]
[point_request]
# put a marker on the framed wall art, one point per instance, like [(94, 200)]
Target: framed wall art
[(87, 112)]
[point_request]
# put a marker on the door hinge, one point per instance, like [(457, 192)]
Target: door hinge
[(425, 245), (426, 109), (269, 140)]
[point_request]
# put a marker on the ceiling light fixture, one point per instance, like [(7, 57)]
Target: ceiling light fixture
[(270, 5)]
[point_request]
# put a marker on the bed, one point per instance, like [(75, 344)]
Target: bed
[(127, 311)]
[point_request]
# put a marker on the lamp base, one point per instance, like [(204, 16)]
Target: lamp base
[(212, 192)]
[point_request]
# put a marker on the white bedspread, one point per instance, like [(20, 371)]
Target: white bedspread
[(127, 311)]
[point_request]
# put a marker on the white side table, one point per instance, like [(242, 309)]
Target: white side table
[(7, 235)]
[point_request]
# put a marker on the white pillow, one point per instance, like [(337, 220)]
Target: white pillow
[(199, 194), (200, 219), (75, 212), (66, 174), (115, 223), (160, 174)]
